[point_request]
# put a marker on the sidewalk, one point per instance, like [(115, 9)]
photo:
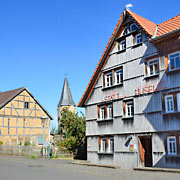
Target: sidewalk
[(88, 163)]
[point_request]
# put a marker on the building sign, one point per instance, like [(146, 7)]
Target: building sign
[(148, 88), (113, 96), (131, 147)]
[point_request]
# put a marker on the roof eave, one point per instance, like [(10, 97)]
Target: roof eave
[(82, 102), (163, 36)]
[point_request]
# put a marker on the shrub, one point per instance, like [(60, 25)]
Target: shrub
[(32, 157), (27, 143), (1, 143)]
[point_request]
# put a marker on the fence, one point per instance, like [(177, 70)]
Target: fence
[(21, 150)]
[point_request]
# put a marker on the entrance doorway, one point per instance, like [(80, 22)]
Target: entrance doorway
[(145, 143)]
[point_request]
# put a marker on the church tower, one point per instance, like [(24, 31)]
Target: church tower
[(66, 100)]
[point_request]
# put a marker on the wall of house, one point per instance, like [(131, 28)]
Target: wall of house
[(149, 118), (19, 124)]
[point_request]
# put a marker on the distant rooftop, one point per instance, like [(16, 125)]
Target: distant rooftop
[(66, 97)]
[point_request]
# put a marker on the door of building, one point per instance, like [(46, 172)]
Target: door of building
[(145, 143)]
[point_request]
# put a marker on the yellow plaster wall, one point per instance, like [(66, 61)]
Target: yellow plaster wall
[(2, 111), (13, 122), (20, 122), (20, 131), (12, 131), (1, 121)]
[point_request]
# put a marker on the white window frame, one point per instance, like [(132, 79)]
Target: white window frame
[(171, 150), (131, 27), (119, 73), (109, 111), (102, 112), (153, 62), (129, 106), (108, 79), (125, 28), (137, 38), (169, 60), (168, 104), (111, 145), (123, 45), (103, 145), (178, 102)]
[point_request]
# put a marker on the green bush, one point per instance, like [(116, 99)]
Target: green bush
[(32, 157), (27, 143), (1, 143)]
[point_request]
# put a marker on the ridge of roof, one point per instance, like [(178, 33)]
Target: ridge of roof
[(7, 96), (169, 26), (115, 29), (148, 26), (66, 96), (169, 20)]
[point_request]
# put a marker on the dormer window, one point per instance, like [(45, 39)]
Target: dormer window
[(126, 31), (123, 45), (138, 38), (133, 27)]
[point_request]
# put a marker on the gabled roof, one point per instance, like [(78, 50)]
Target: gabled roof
[(147, 26), (7, 96), (66, 97), (169, 26)]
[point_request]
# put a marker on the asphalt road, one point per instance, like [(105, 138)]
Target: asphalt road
[(15, 168)]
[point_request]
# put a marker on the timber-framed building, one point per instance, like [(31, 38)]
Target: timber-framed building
[(23, 120), (133, 98)]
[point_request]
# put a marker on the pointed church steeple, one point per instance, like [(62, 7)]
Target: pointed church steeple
[(66, 97), (66, 100)]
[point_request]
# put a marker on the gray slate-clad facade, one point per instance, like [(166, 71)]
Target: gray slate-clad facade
[(133, 107)]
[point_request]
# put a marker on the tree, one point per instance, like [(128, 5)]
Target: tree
[(72, 127)]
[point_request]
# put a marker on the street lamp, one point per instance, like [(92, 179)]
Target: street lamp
[(43, 122)]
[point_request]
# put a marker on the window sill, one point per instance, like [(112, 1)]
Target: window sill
[(173, 71), (105, 153), (171, 113), (104, 120), (128, 118), (120, 51), (151, 76), (173, 156), (136, 45), (128, 34), (113, 86)]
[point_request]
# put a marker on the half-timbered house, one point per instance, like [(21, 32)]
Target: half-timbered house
[(23, 120)]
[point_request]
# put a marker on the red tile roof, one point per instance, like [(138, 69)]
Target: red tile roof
[(169, 25), (148, 27)]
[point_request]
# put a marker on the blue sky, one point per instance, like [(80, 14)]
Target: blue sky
[(41, 40)]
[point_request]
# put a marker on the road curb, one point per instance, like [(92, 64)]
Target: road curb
[(96, 165), (158, 169)]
